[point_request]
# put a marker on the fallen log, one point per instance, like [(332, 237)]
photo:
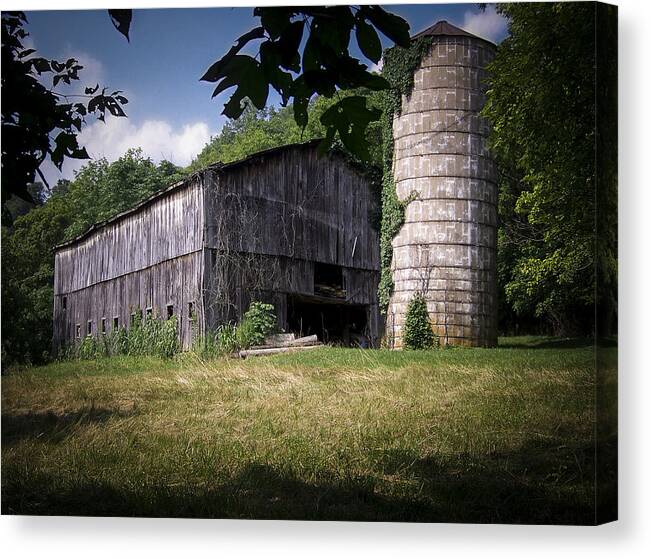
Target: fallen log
[(288, 342), (272, 350)]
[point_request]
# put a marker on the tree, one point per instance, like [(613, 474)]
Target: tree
[(27, 280), (37, 121), (16, 206), (541, 103), (99, 191), (324, 67), (259, 129), (102, 189)]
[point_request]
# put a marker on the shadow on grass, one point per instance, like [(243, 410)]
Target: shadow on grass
[(52, 426), (536, 484), (555, 343)]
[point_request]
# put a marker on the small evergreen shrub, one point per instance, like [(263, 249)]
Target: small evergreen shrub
[(418, 332)]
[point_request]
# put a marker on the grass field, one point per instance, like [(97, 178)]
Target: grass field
[(456, 435)]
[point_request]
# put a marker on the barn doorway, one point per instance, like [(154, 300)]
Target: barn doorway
[(332, 321)]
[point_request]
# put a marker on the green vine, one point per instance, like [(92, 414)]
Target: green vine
[(400, 64)]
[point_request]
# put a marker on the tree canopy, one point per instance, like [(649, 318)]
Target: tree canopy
[(541, 103), (99, 191), (38, 121), (259, 129), (304, 53)]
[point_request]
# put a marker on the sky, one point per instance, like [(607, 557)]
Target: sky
[(171, 114)]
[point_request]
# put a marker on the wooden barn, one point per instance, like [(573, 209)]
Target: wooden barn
[(285, 226)]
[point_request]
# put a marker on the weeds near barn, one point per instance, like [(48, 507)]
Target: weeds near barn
[(467, 435)]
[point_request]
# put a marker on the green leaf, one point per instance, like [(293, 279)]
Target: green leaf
[(326, 143), (288, 45), (234, 108), (247, 73), (121, 19), (218, 69), (368, 41), (40, 65), (300, 111), (320, 81), (274, 20), (350, 117), (393, 26), (228, 81)]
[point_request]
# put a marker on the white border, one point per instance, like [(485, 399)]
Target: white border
[(52, 537)]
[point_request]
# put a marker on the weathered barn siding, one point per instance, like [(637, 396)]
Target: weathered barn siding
[(287, 210), (166, 227), (253, 229), (175, 282), (150, 257), (446, 248), (297, 204)]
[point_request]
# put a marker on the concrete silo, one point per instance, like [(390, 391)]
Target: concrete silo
[(446, 248)]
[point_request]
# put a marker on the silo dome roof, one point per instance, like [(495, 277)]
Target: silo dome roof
[(444, 28)]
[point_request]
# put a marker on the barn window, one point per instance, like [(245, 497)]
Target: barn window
[(78, 330), (116, 322), (170, 311), (135, 315), (329, 280), (149, 312), (64, 303), (103, 325), (191, 310), (89, 327)]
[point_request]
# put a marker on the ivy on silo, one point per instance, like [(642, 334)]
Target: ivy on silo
[(400, 64)]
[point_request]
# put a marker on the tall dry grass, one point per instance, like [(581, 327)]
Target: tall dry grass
[(500, 435)]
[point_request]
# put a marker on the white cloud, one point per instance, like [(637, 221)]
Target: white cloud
[(487, 24), (157, 138), (377, 67), (90, 75)]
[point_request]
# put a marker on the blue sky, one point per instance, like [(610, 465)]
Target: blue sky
[(171, 113)]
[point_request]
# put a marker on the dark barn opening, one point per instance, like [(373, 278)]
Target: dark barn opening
[(329, 280), (333, 322)]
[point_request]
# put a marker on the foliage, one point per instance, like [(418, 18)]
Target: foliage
[(16, 206), (27, 280), (153, 336), (418, 332), (99, 191), (226, 338), (102, 189), (257, 130), (541, 104), (400, 64), (324, 68), (471, 435), (220, 342), (258, 322), (40, 122)]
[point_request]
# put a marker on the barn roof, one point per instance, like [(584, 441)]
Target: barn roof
[(443, 28), (218, 167)]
